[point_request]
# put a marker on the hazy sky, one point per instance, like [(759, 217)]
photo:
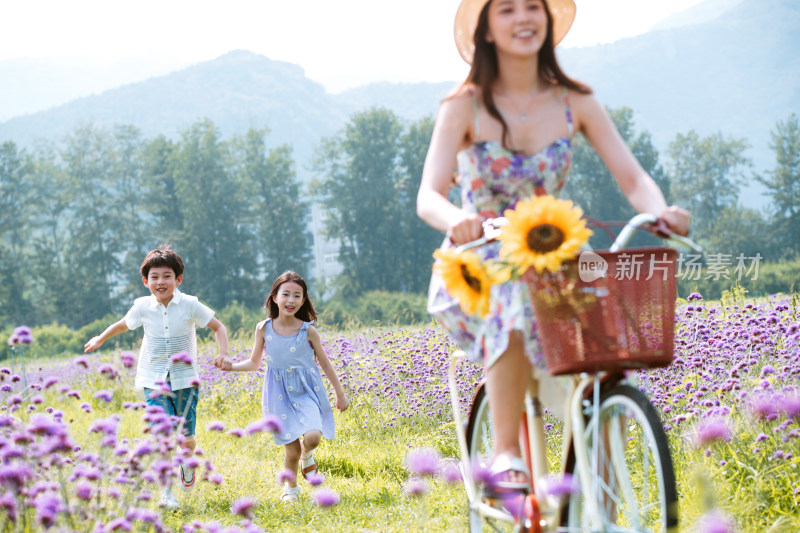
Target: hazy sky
[(339, 43)]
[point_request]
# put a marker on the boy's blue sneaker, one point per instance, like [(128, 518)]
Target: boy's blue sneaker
[(187, 478)]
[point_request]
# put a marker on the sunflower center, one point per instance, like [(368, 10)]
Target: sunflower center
[(473, 282), (544, 238)]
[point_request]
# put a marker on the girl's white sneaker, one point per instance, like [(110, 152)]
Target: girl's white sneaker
[(168, 500), (290, 494)]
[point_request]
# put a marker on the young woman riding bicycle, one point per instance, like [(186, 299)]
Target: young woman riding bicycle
[(508, 129)]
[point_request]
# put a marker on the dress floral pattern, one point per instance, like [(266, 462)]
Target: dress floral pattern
[(493, 179)]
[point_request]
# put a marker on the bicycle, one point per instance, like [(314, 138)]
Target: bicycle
[(597, 332)]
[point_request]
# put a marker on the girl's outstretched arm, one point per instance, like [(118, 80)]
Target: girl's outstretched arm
[(341, 399), (248, 365)]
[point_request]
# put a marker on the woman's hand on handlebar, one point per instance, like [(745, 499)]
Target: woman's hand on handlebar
[(677, 219), (469, 228)]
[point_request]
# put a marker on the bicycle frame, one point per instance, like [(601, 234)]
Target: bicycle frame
[(576, 402)]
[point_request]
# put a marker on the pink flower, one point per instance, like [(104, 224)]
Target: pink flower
[(712, 429), (325, 497), (182, 357), (423, 461), (243, 507)]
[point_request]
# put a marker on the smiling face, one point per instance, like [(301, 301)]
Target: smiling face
[(289, 298), (162, 282), (517, 27)]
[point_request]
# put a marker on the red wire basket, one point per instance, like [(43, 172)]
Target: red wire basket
[(622, 320)]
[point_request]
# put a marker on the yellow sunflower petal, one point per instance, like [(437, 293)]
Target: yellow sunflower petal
[(465, 279), (543, 233)]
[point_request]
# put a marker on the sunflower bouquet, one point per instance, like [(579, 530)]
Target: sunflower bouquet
[(540, 233)]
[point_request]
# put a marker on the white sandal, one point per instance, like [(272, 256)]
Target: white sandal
[(290, 494), (308, 465), (502, 466)]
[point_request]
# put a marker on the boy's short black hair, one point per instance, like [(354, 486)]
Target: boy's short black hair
[(164, 255)]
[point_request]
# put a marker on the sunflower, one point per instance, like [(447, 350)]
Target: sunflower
[(465, 279), (542, 233)]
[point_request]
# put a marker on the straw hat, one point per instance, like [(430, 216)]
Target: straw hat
[(563, 12)]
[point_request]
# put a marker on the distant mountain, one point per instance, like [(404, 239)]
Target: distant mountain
[(737, 72), (724, 65), (31, 85)]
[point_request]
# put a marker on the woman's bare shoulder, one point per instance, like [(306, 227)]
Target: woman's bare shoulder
[(461, 96), (262, 325)]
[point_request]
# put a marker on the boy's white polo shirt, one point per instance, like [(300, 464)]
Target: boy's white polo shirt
[(167, 330)]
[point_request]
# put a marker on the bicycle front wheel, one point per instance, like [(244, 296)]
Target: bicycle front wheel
[(632, 476)]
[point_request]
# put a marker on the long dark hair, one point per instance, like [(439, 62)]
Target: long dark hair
[(306, 313), (484, 70)]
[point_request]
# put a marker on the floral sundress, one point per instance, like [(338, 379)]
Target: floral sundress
[(493, 179)]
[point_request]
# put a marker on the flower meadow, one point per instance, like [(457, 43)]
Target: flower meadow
[(81, 452)]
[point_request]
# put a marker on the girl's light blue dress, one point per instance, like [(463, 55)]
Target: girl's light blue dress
[(293, 388)]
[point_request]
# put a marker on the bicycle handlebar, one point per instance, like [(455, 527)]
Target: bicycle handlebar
[(657, 227), (492, 228)]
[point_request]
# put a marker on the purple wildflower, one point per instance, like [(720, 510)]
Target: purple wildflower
[(119, 524), (109, 371), (48, 506), (216, 425), (8, 504), (715, 522), (415, 486), (450, 471), (104, 395), (81, 361), (84, 490), (712, 429), (270, 424), (14, 476), (128, 359), (181, 357), (315, 479), (694, 296), (243, 507), (21, 335), (559, 485), (286, 475), (767, 370), (423, 461), (790, 404), (41, 424), (325, 497), (107, 426)]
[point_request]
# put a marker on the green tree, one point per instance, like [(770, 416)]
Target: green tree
[(361, 169), (593, 188), (739, 230), (417, 239), (51, 235), (98, 236), (783, 185), (706, 174), (16, 197), (215, 240), (278, 213)]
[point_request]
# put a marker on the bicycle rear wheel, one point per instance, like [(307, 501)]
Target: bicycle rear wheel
[(480, 441), (631, 470)]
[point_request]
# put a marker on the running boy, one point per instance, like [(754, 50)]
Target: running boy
[(169, 318)]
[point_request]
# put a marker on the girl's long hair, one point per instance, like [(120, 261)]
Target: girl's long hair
[(484, 69), (306, 313)]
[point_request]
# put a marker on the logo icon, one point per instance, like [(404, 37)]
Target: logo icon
[(591, 266)]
